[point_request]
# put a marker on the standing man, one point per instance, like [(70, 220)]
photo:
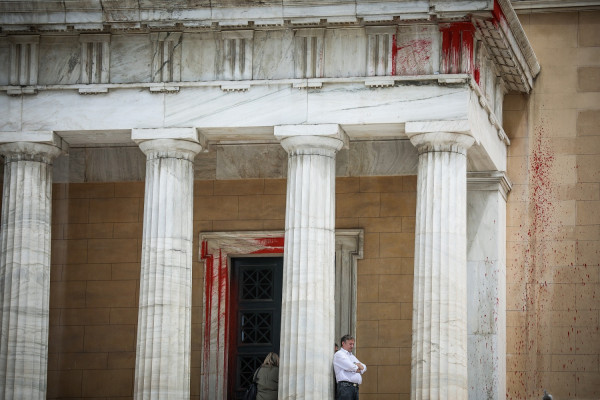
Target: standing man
[(348, 370)]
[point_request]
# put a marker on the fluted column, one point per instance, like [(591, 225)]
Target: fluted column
[(307, 316), (162, 368), (25, 269), (439, 341)]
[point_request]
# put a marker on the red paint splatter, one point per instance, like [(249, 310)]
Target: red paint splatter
[(412, 57)]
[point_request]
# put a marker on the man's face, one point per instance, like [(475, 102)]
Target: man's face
[(348, 345)]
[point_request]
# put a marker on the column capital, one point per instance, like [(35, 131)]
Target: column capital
[(429, 136), (30, 151), (298, 138), (170, 148), (489, 181)]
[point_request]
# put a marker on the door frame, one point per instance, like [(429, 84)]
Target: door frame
[(216, 251)]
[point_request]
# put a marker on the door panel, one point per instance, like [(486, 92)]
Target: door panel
[(255, 317)]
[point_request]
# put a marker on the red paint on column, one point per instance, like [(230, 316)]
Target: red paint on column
[(394, 54), (457, 47)]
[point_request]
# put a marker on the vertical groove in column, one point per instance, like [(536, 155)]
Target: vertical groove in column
[(25, 269), (163, 351), (307, 327), (439, 364)]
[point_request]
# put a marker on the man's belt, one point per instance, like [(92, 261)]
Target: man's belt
[(349, 383)]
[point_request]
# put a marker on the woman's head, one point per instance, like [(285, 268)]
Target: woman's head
[(271, 359)]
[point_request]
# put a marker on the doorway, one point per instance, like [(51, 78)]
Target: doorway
[(255, 317)]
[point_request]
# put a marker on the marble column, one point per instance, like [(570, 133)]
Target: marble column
[(162, 366), (25, 268), (486, 283), (308, 302), (439, 341)]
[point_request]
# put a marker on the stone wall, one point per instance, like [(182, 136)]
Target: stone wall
[(97, 230), (553, 216)]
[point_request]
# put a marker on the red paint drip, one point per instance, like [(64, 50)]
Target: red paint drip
[(457, 47), (394, 54)]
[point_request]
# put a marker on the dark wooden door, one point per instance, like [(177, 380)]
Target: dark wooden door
[(255, 317)]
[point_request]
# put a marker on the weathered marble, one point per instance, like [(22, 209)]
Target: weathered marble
[(439, 339), (25, 269), (486, 284), (307, 312), (162, 367)]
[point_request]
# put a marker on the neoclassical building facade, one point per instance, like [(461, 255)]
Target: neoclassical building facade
[(190, 185)]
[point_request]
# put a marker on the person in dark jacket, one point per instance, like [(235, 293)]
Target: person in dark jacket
[(267, 378)]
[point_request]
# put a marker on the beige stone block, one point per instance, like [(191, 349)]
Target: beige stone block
[(588, 123), (114, 210), (59, 191), (588, 295), (371, 245), (357, 205), (562, 101), (275, 186), (91, 190), (516, 339), (67, 294), (588, 79), (556, 296), (588, 212), (587, 145), (95, 383), (575, 274), (556, 30), (562, 383), (409, 183), (125, 271), (562, 341), (406, 312), (65, 339), (279, 224), (87, 231), (111, 294), (369, 383), (397, 245), (587, 252), (564, 169), (516, 385), (113, 250), (589, 28), (573, 362), (195, 382), (395, 288), (367, 288), (378, 311), (239, 187), (237, 225), (215, 208), (381, 184), (121, 360), (386, 266), (372, 356), (127, 230), (367, 333), (395, 333), (347, 185), (73, 211), (515, 124), (124, 316), (408, 224), (129, 189), (588, 168), (557, 56), (516, 318), (399, 204), (202, 226), (203, 187), (518, 169), (109, 338), (84, 316), (83, 361), (516, 362), (196, 337), (516, 296), (350, 223), (86, 272), (587, 191), (515, 102), (259, 207), (587, 385), (519, 146), (516, 214), (64, 384), (556, 79), (393, 379)]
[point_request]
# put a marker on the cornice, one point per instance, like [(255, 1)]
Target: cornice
[(541, 6)]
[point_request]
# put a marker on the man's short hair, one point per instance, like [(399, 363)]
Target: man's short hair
[(345, 338)]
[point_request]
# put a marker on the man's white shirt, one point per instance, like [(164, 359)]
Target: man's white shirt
[(345, 367)]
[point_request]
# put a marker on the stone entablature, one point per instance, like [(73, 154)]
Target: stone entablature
[(447, 40)]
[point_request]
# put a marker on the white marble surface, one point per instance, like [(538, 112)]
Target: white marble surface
[(162, 367), (486, 284), (308, 313), (439, 338), (25, 269)]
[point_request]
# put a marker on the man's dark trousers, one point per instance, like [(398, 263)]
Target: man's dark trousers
[(347, 391)]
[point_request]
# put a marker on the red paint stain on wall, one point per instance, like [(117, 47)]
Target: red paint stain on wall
[(411, 57)]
